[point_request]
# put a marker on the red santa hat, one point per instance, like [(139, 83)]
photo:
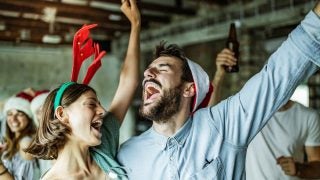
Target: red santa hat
[(19, 102), (38, 101), (203, 87)]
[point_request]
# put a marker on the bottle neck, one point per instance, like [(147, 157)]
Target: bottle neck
[(232, 32)]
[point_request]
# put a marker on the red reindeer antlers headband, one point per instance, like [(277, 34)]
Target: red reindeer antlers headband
[(83, 47)]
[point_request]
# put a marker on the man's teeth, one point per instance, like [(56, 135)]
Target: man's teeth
[(151, 85)]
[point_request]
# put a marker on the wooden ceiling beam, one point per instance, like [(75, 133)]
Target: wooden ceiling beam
[(10, 7), (157, 7), (37, 27), (36, 35), (14, 36), (39, 11), (85, 10), (31, 23), (111, 27)]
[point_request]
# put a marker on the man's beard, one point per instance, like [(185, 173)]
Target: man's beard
[(163, 110)]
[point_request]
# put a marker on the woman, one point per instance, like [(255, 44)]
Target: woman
[(77, 131), (16, 164)]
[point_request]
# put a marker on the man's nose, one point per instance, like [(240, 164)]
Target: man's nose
[(150, 73)]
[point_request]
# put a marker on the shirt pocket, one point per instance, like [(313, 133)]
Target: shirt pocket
[(210, 171)]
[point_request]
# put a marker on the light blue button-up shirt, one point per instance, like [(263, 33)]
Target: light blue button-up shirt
[(212, 143)]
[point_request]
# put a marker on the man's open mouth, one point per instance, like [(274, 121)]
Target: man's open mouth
[(151, 90)]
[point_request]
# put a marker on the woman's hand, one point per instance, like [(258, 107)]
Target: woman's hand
[(130, 9)]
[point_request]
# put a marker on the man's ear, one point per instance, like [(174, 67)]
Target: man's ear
[(61, 114), (189, 89)]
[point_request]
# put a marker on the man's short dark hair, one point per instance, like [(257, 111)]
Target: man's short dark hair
[(174, 50)]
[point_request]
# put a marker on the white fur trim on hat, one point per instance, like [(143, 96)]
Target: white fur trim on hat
[(36, 103), (201, 81), (19, 104)]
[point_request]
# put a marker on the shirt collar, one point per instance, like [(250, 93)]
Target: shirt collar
[(178, 139)]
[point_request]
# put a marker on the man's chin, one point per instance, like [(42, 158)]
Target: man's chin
[(145, 111), (148, 105), (150, 101)]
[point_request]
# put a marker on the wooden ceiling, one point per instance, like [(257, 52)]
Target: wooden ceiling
[(55, 21), (32, 20)]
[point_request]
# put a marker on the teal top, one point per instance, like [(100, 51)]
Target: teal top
[(105, 153)]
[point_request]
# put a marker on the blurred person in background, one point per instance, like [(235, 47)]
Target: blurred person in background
[(2, 119), (36, 108), (19, 131), (37, 103)]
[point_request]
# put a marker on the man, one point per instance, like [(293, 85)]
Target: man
[(211, 143), (277, 152)]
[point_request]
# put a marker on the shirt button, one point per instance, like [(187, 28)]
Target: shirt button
[(171, 158)]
